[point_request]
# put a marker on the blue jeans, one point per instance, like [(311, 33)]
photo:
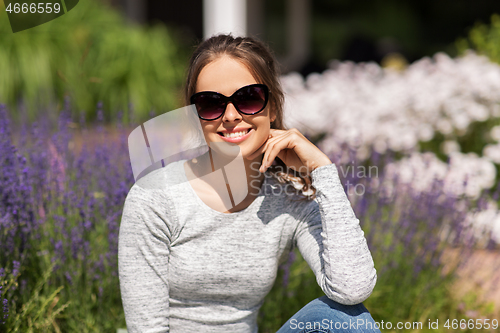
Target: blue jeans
[(326, 316)]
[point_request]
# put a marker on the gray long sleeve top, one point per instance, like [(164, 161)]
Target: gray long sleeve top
[(185, 267)]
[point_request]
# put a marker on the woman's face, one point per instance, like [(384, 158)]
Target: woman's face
[(225, 75)]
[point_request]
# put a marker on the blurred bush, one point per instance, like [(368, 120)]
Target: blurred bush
[(91, 54), (483, 38)]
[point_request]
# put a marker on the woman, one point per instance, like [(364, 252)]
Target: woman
[(189, 262)]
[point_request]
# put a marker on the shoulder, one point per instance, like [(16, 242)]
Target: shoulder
[(154, 191)]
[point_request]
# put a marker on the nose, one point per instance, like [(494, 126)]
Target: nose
[(231, 114)]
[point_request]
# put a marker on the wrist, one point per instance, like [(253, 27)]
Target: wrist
[(322, 162)]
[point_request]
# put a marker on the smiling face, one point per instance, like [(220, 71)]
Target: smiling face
[(226, 75)]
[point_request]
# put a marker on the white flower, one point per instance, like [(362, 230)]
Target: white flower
[(495, 133), (450, 146), (466, 174), (485, 223), (367, 106), (492, 152)]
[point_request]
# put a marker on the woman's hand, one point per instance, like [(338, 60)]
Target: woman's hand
[(293, 149)]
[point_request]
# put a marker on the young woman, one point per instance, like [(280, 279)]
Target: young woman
[(188, 262)]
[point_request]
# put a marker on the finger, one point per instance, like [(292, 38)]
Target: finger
[(274, 149), (260, 150), (274, 132), (288, 136), (265, 160), (263, 148)]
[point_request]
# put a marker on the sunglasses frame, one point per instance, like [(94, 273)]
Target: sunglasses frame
[(230, 99)]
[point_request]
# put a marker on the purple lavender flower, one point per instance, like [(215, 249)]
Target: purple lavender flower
[(45, 184), (5, 309), (15, 270), (68, 278), (16, 203)]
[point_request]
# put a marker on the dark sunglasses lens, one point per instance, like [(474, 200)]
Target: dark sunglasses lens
[(209, 106), (251, 99)]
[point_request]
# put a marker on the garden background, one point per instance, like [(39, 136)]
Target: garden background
[(416, 140)]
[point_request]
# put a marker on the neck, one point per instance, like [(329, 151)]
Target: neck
[(254, 178), (211, 161)]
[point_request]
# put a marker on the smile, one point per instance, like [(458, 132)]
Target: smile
[(235, 137)]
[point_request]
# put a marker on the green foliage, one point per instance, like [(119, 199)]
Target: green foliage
[(483, 38), (94, 293), (91, 54), (39, 312)]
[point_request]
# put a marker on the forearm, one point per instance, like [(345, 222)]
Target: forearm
[(335, 246)]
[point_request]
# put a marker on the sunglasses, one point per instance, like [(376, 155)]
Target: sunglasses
[(248, 100)]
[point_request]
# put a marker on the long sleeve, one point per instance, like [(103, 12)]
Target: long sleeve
[(332, 242), (143, 258)]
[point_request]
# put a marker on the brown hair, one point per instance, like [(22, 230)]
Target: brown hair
[(261, 63)]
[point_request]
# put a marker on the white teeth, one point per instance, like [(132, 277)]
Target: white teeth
[(235, 135)]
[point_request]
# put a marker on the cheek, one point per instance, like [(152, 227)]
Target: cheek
[(208, 129), (264, 134)]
